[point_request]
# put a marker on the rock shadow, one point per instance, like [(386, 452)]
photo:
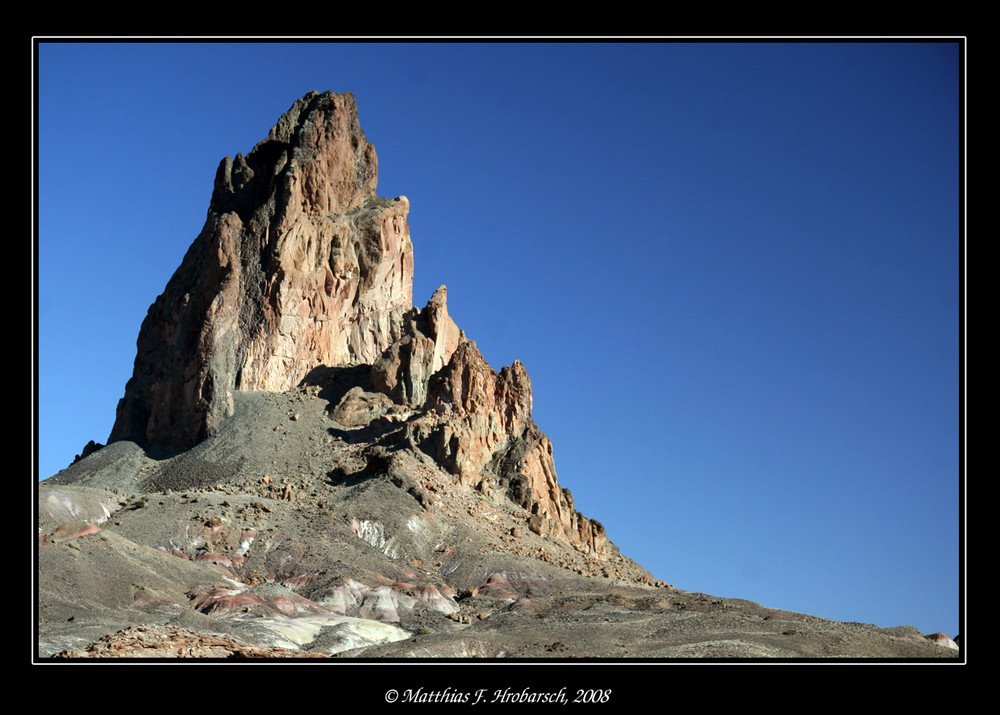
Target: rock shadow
[(376, 463), (335, 382)]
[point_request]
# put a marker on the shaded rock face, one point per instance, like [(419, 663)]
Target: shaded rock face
[(299, 264)]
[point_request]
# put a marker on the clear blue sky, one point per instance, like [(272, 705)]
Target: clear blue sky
[(732, 271)]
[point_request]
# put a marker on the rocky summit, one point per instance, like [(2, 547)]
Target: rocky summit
[(305, 465)]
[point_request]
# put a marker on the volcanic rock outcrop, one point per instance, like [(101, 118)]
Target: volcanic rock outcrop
[(301, 266)]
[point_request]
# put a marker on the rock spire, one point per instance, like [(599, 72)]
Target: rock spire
[(299, 264)]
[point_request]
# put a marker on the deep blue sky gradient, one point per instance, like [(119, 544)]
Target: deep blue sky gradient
[(731, 270)]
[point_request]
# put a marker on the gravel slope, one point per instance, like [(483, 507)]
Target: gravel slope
[(289, 534)]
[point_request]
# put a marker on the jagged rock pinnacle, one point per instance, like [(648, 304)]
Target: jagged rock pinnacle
[(299, 264)]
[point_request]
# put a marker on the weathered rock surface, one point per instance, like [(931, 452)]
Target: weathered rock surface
[(477, 424), (299, 264), (60, 506), (429, 340)]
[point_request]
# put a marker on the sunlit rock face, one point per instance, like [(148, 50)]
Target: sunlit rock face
[(430, 337), (476, 423), (299, 264)]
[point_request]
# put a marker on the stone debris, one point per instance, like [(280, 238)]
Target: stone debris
[(944, 640), (175, 642)]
